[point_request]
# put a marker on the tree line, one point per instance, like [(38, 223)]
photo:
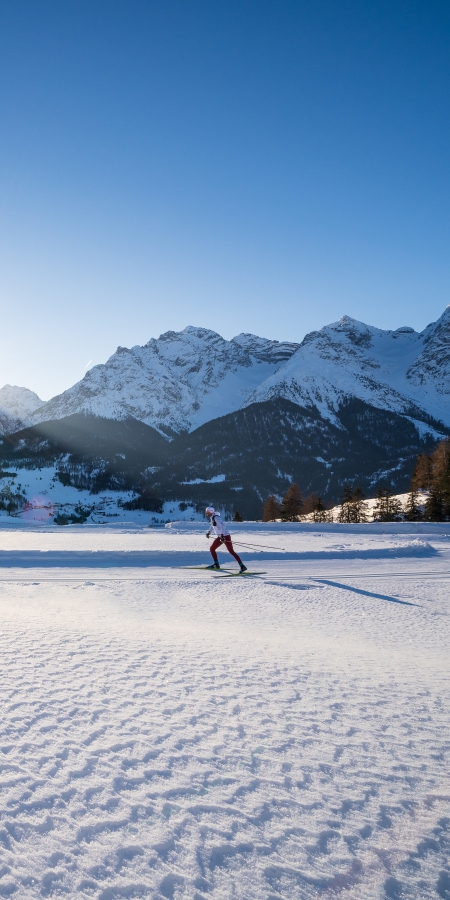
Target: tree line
[(353, 507), (431, 475), (292, 506)]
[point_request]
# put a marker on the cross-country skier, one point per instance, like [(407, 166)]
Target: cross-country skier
[(219, 528)]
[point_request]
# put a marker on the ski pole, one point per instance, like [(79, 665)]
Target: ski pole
[(257, 546)]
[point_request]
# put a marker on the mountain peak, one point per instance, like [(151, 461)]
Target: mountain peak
[(348, 320), (200, 332), (401, 371), (175, 382), (16, 405), (185, 378), (12, 396)]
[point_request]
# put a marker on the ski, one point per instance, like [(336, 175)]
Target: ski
[(236, 574), (204, 568)]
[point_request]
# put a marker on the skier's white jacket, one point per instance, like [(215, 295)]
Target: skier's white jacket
[(218, 526)]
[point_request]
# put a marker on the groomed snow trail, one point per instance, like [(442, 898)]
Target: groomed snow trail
[(166, 734)]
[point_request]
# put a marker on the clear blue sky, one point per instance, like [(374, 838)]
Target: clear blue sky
[(245, 165)]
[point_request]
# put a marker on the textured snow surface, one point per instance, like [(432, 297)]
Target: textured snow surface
[(168, 734)]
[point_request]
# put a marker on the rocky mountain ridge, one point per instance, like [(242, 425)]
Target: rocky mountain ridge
[(402, 371), (182, 380), (174, 383), (16, 406)]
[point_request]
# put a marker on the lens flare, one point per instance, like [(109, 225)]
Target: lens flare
[(38, 509)]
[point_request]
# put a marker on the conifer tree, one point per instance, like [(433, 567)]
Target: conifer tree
[(292, 503), (309, 504), (387, 507), (379, 508), (435, 506), (237, 517), (320, 514), (441, 462), (422, 477), (432, 473), (413, 512), (441, 476), (345, 513), (272, 509), (359, 507)]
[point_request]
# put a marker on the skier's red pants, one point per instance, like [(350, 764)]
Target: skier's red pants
[(227, 541)]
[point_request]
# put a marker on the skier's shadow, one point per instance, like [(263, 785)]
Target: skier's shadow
[(348, 587)]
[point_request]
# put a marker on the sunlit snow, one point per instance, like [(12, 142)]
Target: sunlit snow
[(167, 732)]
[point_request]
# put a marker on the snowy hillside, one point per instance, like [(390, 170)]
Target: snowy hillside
[(174, 383), (16, 405), (49, 502), (401, 371), (183, 379)]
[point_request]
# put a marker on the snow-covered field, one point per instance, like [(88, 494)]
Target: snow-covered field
[(47, 497), (167, 734)]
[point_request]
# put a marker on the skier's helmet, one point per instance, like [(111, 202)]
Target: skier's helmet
[(209, 510)]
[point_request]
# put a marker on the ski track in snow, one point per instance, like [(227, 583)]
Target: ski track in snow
[(167, 735)]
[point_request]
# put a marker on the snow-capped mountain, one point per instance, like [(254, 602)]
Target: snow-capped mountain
[(350, 404), (182, 380), (402, 371), (174, 383), (16, 406)]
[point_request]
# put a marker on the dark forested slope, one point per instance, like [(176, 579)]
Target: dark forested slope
[(250, 453)]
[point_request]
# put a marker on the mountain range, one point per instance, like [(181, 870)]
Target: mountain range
[(349, 401)]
